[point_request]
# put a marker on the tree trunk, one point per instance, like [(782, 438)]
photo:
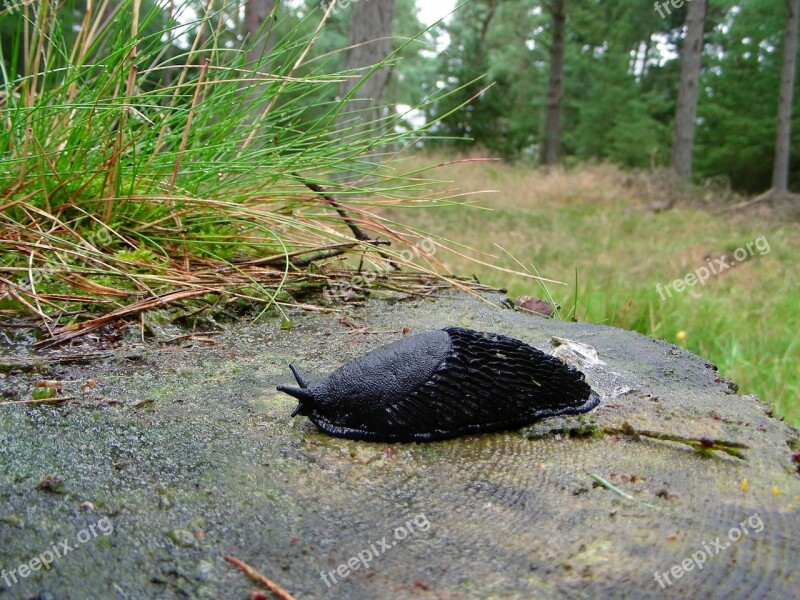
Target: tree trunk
[(780, 172), (169, 72), (369, 43), (255, 13), (686, 112), (555, 88), (258, 44)]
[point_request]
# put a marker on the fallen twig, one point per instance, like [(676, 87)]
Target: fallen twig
[(304, 262), (703, 445), (699, 444), (200, 336), (125, 311), (40, 401), (259, 578), (37, 362), (768, 195), (358, 233), (293, 257)]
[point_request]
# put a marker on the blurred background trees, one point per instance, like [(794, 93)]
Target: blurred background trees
[(621, 84), (553, 80)]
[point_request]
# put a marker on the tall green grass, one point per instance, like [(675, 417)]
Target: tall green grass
[(134, 168)]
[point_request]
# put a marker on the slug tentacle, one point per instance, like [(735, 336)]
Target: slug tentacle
[(442, 384), (300, 379), (303, 395)]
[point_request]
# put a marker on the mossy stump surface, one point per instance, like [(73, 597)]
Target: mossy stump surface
[(190, 454)]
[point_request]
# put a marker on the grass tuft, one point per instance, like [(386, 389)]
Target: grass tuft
[(147, 162)]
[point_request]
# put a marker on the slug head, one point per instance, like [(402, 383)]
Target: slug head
[(303, 394)]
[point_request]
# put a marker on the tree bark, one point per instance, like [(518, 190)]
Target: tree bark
[(369, 42), (686, 112), (780, 172), (555, 88), (255, 13)]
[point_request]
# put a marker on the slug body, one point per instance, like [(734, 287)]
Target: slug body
[(442, 384)]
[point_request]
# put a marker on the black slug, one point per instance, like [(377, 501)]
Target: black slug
[(442, 384)]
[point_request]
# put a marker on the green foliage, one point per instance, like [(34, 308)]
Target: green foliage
[(487, 46), (161, 158), (621, 76), (739, 98), (608, 118)]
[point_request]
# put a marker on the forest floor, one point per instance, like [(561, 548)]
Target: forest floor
[(607, 229)]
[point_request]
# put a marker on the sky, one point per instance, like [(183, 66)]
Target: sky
[(431, 11)]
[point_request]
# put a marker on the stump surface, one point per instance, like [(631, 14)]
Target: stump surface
[(199, 459)]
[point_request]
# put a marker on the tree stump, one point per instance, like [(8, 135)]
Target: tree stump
[(189, 454)]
